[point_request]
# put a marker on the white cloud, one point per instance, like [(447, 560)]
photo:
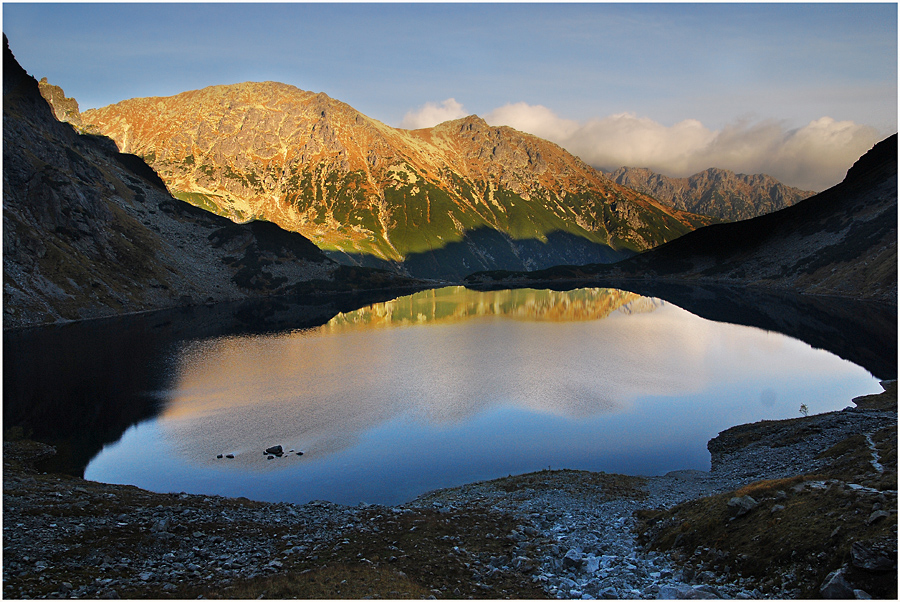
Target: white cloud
[(431, 114), (534, 119), (813, 157)]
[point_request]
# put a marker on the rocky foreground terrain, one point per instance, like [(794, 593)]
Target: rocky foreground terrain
[(790, 509)]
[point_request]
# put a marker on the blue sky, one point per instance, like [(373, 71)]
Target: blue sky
[(720, 76)]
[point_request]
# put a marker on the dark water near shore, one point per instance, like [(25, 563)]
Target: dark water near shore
[(397, 398)]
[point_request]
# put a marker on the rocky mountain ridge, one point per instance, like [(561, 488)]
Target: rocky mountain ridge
[(716, 192), (840, 242), (89, 231), (442, 201)]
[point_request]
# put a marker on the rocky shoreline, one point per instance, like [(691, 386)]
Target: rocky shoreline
[(551, 534)]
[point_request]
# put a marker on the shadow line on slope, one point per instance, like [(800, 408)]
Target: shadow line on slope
[(489, 249)]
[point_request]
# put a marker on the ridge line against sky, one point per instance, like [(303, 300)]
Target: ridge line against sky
[(798, 91)]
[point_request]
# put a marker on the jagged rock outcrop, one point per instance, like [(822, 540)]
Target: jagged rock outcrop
[(444, 201), (88, 231), (64, 108), (716, 192)]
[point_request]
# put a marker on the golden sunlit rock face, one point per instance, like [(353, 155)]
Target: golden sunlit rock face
[(315, 165)]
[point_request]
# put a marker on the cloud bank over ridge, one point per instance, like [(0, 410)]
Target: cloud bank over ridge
[(431, 114), (813, 157)]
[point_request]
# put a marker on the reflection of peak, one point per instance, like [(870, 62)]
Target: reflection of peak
[(456, 303)]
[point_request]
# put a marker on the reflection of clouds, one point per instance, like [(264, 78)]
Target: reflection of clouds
[(321, 391), (768, 397)]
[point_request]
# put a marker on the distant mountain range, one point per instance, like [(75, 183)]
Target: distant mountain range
[(438, 202), (842, 241), (716, 192)]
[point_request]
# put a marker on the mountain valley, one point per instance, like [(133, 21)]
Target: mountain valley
[(278, 229)]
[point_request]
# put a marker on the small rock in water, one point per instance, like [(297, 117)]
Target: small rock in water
[(299, 453), (275, 450), (219, 456), (229, 456)]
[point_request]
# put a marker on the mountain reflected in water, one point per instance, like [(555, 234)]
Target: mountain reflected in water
[(457, 303), (449, 386)]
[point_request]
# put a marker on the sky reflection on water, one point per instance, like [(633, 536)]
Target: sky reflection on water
[(452, 386)]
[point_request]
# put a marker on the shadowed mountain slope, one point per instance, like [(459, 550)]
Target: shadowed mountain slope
[(90, 232), (840, 242), (716, 192), (360, 189)]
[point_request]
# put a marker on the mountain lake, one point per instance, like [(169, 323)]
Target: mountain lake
[(404, 396)]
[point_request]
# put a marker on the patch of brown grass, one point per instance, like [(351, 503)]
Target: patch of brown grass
[(887, 400), (611, 486), (769, 488)]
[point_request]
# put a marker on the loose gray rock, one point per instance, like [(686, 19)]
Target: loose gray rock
[(573, 559), (835, 587), (682, 591), (739, 506), (876, 516), (873, 556)]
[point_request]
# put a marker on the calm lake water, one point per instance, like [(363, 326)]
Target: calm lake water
[(451, 386)]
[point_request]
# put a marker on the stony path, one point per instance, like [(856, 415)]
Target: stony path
[(589, 548)]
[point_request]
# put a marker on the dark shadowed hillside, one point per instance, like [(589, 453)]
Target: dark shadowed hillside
[(840, 242)]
